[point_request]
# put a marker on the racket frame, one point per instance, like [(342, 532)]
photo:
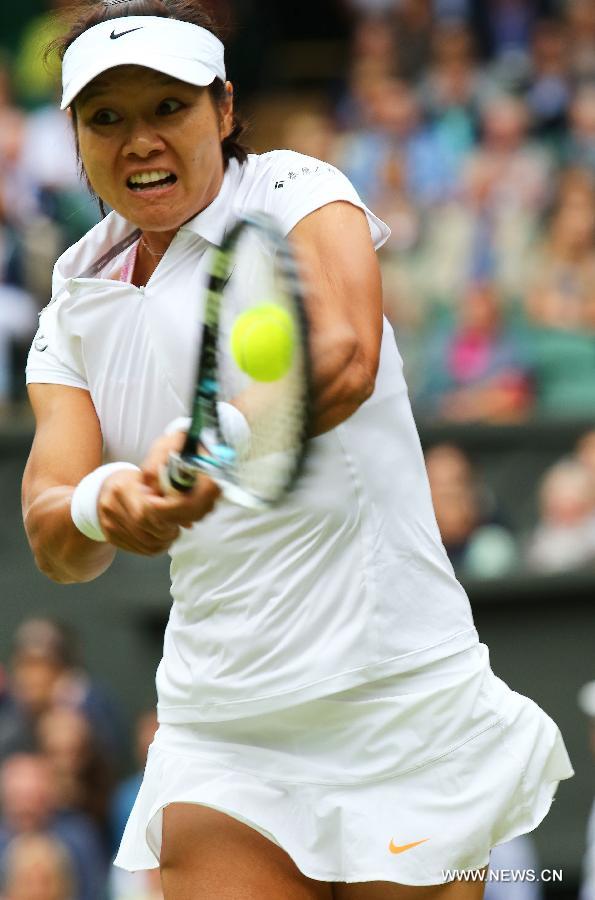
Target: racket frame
[(216, 459)]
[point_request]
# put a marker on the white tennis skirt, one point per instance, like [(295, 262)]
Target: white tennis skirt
[(398, 780)]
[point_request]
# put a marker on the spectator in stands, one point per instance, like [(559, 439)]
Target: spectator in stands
[(394, 128), (452, 89), (397, 208), (46, 670), (38, 867), (350, 110), (64, 208), (373, 42), (580, 16), (373, 58), (487, 229), (414, 26), (27, 801), (509, 24), (586, 702), (476, 370), (549, 89), (12, 123), (42, 652), (26, 796), (579, 146), (18, 191), (476, 544), (516, 173), (81, 772), (311, 133), (564, 538), (18, 310), (560, 303), (562, 292), (15, 735), (448, 466), (405, 304), (61, 208)]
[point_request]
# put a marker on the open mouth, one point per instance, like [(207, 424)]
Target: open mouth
[(150, 180)]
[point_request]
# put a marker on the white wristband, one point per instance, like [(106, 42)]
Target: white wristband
[(83, 507)]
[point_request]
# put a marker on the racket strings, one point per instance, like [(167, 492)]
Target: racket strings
[(263, 422)]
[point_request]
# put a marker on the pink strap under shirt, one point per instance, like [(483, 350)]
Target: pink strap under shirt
[(129, 262)]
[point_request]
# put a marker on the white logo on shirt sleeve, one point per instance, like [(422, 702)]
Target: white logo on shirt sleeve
[(40, 343), (304, 171)]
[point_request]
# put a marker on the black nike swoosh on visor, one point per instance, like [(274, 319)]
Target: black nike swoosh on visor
[(114, 36)]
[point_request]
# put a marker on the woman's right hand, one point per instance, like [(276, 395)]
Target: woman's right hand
[(135, 516), (132, 512), (129, 520)]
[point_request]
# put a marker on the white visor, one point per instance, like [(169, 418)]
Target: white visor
[(179, 49)]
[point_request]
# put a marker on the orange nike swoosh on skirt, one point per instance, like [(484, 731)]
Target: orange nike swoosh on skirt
[(394, 849)]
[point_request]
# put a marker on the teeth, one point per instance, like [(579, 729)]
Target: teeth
[(149, 177)]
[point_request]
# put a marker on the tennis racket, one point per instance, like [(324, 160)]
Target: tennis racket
[(247, 434)]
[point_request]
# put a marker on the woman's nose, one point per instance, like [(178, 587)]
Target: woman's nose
[(142, 141)]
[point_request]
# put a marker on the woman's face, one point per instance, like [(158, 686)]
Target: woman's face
[(133, 124)]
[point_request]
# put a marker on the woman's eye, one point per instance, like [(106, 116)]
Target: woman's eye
[(166, 107), (105, 117)]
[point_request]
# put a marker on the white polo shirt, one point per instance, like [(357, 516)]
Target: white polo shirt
[(344, 582)]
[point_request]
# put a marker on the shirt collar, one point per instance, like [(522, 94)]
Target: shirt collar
[(211, 223)]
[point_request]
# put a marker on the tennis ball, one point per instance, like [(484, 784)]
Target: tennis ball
[(262, 342)]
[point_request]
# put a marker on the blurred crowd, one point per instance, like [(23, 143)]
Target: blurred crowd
[(469, 127), (481, 538), (44, 205), (63, 801), (477, 146)]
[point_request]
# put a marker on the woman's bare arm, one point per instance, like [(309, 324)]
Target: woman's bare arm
[(344, 300), (67, 446), (131, 511)]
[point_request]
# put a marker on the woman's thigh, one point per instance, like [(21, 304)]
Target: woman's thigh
[(384, 890), (207, 855)]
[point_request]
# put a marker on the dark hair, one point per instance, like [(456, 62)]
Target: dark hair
[(85, 17), (48, 638)]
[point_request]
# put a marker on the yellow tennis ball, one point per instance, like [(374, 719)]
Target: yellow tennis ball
[(262, 342)]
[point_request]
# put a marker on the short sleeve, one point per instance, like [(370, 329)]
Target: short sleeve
[(47, 363), (299, 185)]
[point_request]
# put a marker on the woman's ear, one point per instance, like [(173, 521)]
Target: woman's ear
[(226, 117)]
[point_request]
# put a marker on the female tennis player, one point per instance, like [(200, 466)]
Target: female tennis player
[(330, 726)]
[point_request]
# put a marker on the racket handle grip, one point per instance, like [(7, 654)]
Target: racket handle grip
[(178, 475)]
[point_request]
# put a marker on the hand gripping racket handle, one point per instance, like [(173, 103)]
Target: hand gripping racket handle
[(178, 475)]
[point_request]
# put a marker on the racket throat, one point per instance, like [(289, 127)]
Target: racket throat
[(184, 469)]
